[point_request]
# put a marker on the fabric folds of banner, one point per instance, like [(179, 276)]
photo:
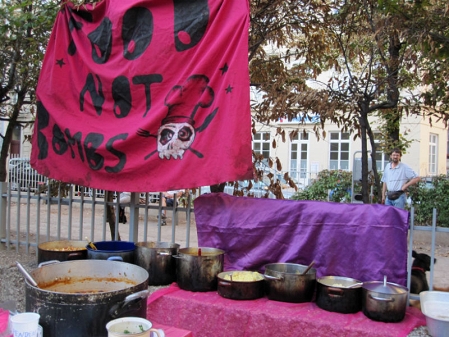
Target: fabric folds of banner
[(145, 95)]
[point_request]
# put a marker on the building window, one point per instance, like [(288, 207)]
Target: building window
[(339, 151), (298, 156), (261, 145), (382, 159), (433, 152)]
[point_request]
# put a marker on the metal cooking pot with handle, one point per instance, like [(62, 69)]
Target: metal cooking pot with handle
[(63, 250), (78, 298), (384, 301), (157, 259), (197, 268), (285, 282), (339, 294), (230, 286)]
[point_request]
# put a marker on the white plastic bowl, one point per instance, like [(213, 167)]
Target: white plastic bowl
[(435, 306), (131, 327)]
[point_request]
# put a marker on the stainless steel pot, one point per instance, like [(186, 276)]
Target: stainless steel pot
[(197, 268), (384, 301), (334, 294), (239, 290), (157, 259), (64, 250), (285, 283), (78, 298)]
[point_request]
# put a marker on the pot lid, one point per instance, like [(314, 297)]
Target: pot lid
[(384, 288), (339, 281)]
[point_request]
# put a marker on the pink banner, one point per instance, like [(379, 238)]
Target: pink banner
[(145, 95)]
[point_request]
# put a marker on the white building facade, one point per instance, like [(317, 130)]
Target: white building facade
[(304, 155)]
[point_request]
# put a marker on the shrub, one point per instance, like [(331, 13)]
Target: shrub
[(339, 182), (428, 194)]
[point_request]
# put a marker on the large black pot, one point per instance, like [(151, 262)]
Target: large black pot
[(64, 250), (78, 298), (384, 301), (333, 294), (285, 283), (157, 259), (197, 268), (229, 287), (112, 250)]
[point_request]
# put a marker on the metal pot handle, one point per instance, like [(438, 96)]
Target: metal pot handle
[(75, 256), (389, 299), (47, 262), (335, 292), (177, 256), (141, 294), (224, 284), (277, 278), (164, 253), (134, 299)]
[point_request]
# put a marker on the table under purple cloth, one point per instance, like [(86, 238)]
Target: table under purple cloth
[(361, 241), (208, 314)]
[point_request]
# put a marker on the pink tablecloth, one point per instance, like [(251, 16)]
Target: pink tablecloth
[(208, 314), (168, 330), (172, 331)]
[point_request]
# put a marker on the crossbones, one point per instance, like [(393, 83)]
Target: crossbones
[(177, 132)]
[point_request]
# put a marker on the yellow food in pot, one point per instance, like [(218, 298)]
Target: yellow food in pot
[(244, 276)]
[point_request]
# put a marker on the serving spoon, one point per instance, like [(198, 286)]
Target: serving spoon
[(308, 268), (27, 276)]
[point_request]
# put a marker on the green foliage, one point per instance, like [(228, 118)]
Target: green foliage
[(338, 181), (428, 195), (24, 33)]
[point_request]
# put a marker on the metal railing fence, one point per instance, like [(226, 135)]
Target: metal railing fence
[(434, 229), (28, 217)]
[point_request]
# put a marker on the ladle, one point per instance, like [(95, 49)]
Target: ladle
[(308, 268), (27, 276), (91, 244)]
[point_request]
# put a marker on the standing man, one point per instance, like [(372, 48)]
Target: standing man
[(397, 177)]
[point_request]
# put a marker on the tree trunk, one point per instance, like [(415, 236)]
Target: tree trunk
[(374, 165), (363, 129)]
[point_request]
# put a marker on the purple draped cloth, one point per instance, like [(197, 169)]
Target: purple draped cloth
[(364, 242)]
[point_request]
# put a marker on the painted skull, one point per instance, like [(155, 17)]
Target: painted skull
[(173, 139)]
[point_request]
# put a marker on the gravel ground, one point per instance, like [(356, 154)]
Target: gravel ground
[(12, 284)]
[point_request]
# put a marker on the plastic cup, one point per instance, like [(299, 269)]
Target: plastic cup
[(25, 324)]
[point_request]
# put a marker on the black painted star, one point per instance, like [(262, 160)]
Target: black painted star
[(60, 62), (229, 89), (224, 69)]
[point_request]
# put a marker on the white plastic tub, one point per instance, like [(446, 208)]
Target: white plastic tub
[(435, 306)]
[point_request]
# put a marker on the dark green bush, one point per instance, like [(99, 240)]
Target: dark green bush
[(428, 194), (338, 181)]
